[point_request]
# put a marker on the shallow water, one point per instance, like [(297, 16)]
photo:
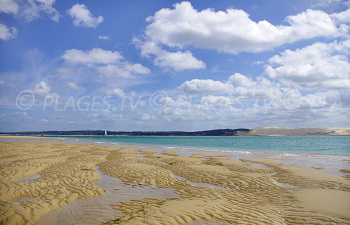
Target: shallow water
[(329, 153), (257, 164), (142, 155), (315, 144), (5, 163), (284, 185), (26, 179), (25, 199), (99, 209)]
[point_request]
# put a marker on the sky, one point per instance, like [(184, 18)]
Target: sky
[(173, 65)]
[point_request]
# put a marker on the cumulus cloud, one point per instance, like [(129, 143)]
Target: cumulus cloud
[(9, 6), (27, 10), (93, 56), (107, 63), (31, 10), (137, 68), (7, 33), (342, 17), (331, 5), (114, 70), (237, 85), (42, 88), (15, 117), (208, 86), (46, 6), (124, 70), (144, 117), (178, 61), (319, 65), (232, 31), (246, 87), (213, 100), (105, 117), (114, 92), (82, 16), (74, 86), (265, 108), (104, 37)]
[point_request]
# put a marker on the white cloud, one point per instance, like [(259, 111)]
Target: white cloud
[(342, 17), (144, 117), (42, 88), (16, 116), (232, 31), (137, 68), (208, 86), (212, 100), (237, 85), (241, 80), (178, 61), (124, 70), (259, 62), (319, 65), (47, 2), (105, 117), (94, 56), (74, 86), (246, 87), (31, 10), (114, 92), (7, 33), (9, 6), (114, 71), (331, 5), (46, 6), (82, 16), (27, 10), (104, 37), (290, 107), (107, 63)]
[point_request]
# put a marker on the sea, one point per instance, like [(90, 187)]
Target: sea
[(328, 154)]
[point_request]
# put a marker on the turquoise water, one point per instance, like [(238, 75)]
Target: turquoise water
[(321, 153), (307, 144), (328, 154)]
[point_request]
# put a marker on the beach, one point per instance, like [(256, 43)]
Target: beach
[(43, 181)]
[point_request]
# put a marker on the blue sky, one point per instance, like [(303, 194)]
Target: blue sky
[(172, 65)]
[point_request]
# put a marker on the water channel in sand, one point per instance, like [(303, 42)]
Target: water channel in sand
[(99, 209)]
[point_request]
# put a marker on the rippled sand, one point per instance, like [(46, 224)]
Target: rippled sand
[(58, 183)]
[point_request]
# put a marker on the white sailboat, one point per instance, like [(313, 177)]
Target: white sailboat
[(105, 133)]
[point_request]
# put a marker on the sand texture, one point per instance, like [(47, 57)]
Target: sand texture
[(58, 183)]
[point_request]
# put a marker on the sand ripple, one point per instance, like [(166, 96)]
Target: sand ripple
[(237, 193)]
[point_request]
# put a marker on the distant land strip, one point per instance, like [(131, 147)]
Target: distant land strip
[(262, 131)]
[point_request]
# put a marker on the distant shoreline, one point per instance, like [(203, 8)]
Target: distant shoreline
[(261, 131)]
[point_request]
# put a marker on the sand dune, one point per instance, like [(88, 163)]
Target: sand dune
[(280, 131)]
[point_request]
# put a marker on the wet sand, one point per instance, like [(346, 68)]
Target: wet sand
[(60, 183)]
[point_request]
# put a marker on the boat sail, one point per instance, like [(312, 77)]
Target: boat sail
[(106, 133)]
